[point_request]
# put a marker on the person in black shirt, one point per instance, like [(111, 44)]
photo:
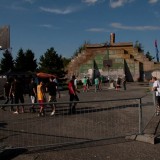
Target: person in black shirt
[(7, 87), (17, 90), (52, 89)]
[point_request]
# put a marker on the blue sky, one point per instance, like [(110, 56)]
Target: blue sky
[(67, 24)]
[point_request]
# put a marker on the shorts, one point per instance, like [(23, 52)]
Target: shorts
[(33, 99), (52, 98), (19, 98), (41, 103)]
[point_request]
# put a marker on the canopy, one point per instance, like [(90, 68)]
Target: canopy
[(156, 73), (45, 75)]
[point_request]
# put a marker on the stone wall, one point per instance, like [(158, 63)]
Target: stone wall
[(124, 58)]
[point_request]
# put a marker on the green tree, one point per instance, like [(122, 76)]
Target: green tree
[(7, 62), (51, 63), (30, 61), (66, 61), (20, 61), (149, 56), (25, 61)]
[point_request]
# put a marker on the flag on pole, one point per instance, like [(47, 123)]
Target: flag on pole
[(157, 51)]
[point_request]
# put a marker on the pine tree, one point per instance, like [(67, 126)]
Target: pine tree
[(7, 62), (52, 63)]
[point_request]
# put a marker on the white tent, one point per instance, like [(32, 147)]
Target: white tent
[(156, 73)]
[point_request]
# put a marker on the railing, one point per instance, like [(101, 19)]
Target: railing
[(93, 120)]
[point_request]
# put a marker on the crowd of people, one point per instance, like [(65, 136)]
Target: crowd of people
[(14, 93), (99, 80)]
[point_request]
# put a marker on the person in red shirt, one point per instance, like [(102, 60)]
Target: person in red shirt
[(73, 95)]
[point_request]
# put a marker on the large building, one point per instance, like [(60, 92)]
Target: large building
[(112, 59)]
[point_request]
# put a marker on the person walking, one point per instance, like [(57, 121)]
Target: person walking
[(73, 95), (152, 92), (52, 89), (33, 95), (75, 82), (41, 97), (88, 83), (9, 98), (100, 82), (84, 81), (96, 83), (124, 82), (118, 83), (156, 88), (17, 90)]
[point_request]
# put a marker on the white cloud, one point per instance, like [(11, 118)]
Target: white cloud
[(58, 11), (49, 26), (139, 28), (152, 1), (97, 30), (46, 25), (119, 3), (92, 2)]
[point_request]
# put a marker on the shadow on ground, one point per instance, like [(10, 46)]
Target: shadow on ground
[(8, 154)]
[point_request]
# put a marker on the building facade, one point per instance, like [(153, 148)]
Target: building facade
[(112, 60)]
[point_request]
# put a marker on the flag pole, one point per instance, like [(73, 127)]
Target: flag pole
[(157, 51)]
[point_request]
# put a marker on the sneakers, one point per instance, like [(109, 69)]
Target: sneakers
[(16, 112), (53, 112), (41, 114)]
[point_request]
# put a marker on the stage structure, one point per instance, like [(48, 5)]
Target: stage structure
[(112, 59), (4, 37)]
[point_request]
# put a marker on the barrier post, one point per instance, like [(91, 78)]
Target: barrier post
[(140, 116)]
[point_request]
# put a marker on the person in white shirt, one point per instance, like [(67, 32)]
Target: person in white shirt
[(75, 82), (156, 88)]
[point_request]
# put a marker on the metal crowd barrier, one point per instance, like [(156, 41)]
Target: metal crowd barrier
[(93, 120)]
